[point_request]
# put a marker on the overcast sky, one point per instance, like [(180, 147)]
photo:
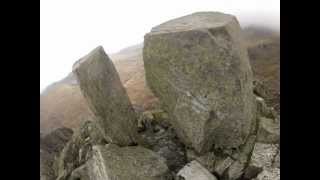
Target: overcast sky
[(70, 29)]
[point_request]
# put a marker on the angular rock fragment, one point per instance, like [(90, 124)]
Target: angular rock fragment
[(163, 140), (126, 163), (101, 86), (276, 160), (195, 171), (263, 155), (81, 173), (269, 174), (199, 69), (235, 171), (268, 131), (262, 109), (50, 147), (259, 89), (222, 165), (78, 149), (55, 141)]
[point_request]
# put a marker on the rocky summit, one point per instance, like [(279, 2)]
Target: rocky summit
[(101, 86), (210, 122), (198, 67)]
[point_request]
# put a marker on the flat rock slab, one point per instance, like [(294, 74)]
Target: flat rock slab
[(195, 171), (101, 86), (126, 163), (199, 69)]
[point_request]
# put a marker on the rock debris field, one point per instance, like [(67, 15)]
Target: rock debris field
[(211, 124)]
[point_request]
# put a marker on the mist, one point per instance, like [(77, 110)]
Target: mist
[(70, 29)]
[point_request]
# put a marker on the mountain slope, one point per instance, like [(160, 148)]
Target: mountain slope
[(62, 104)]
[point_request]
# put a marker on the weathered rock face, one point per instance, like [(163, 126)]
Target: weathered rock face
[(195, 171), (198, 68), (55, 141), (50, 147), (78, 150), (125, 163), (162, 139), (269, 174), (264, 162), (100, 84), (269, 130)]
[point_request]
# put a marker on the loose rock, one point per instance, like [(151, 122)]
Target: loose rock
[(78, 149), (269, 174), (50, 147), (263, 155), (269, 130), (126, 163), (195, 171)]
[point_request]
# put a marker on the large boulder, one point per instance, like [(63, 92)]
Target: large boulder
[(198, 68), (101, 86), (124, 163)]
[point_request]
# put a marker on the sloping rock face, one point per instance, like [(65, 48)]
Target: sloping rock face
[(50, 147), (198, 68), (79, 149), (125, 163), (101, 86)]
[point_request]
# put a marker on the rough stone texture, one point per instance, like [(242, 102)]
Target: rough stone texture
[(263, 155), (195, 171), (101, 86), (263, 110), (260, 90), (198, 68), (55, 141), (81, 173), (50, 147), (78, 150), (269, 130), (228, 164), (46, 171), (126, 163), (276, 160), (163, 140), (235, 171), (209, 161), (269, 174)]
